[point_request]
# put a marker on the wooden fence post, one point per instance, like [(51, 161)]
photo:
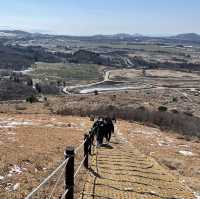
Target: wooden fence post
[(69, 173), (90, 142), (86, 150)]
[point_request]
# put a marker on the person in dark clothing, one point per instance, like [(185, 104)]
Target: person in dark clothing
[(99, 130), (109, 128), (103, 128)]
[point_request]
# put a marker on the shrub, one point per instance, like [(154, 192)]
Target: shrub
[(188, 114), (162, 108), (174, 111), (20, 108), (92, 118), (174, 99), (32, 99), (165, 120), (96, 92)]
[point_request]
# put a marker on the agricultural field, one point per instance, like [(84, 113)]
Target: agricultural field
[(66, 72), (131, 74)]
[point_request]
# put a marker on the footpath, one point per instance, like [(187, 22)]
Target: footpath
[(120, 171)]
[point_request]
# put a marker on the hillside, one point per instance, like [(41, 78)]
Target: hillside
[(40, 138), (21, 58), (188, 36)]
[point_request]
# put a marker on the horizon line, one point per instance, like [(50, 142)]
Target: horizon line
[(48, 32)]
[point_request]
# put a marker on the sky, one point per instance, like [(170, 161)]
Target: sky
[(89, 17)]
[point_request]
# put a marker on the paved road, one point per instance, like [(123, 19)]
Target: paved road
[(68, 89), (90, 88)]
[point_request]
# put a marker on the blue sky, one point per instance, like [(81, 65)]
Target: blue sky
[(87, 17)]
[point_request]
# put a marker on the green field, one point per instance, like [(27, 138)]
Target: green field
[(66, 72)]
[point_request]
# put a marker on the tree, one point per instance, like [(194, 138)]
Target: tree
[(96, 92)]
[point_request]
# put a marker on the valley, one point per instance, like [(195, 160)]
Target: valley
[(51, 86)]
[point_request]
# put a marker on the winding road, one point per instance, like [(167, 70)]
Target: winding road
[(102, 87)]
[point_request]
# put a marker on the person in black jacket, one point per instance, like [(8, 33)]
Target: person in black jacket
[(103, 128), (109, 128), (99, 130)]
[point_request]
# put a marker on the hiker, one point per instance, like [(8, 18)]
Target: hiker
[(99, 130), (109, 128), (103, 128)]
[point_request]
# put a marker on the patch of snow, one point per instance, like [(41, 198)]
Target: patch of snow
[(193, 89), (18, 123), (13, 124), (101, 89), (163, 143), (11, 133), (49, 125), (9, 187), (1, 178), (9, 175), (27, 71), (186, 146), (15, 170), (185, 94), (82, 124), (186, 153), (16, 187), (197, 195), (6, 126)]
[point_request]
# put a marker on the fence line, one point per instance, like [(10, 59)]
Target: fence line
[(80, 146), (47, 179), (56, 184), (81, 164), (69, 186), (65, 193)]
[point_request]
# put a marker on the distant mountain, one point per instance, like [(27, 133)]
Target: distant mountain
[(188, 37), (14, 33), (17, 32), (126, 36)]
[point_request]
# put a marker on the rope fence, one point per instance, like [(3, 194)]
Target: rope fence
[(69, 170)]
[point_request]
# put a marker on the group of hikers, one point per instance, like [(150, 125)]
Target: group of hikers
[(102, 128)]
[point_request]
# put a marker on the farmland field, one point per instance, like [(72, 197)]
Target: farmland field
[(66, 72)]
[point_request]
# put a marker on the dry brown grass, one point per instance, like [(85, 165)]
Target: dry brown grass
[(37, 149), (123, 108), (165, 147)]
